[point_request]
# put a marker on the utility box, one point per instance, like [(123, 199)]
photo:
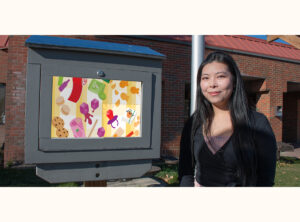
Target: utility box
[(93, 109)]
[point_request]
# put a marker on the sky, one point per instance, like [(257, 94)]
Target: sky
[(265, 38)]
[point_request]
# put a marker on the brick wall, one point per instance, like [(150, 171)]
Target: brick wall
[(298, 120), (277, 73), (3, 74), (15, 99), (176, 73)]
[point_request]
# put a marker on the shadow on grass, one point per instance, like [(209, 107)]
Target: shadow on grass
[(289, 160), (11, 177), (287, 173)]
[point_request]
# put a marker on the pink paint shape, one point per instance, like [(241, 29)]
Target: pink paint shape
[(77, 128), (94, 104), (63, 85), (101, 132), (84, 109)]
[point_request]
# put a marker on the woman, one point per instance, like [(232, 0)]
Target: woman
[(225, 143)]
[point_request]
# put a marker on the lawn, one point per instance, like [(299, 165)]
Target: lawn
[(287, 175), (13, 177), (288, 172), (168, 174)]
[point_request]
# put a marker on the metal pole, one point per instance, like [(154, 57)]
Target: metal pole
[(198, 46)]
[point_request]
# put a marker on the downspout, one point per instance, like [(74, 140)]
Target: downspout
[(198, 47)]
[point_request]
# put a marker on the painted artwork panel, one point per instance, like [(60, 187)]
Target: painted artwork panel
[(95, 108)]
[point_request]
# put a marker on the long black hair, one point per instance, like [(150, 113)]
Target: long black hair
[(240, 112)]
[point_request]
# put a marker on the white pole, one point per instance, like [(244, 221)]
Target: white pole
[(198, 46)]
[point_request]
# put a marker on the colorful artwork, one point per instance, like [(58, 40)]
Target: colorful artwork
[(95, 108), (130, 115)]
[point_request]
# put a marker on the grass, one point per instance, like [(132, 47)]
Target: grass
[(287, 175), (288, 172), (168, 174), (12, 177)]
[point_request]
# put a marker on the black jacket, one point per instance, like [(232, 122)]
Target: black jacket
[(266, 149)]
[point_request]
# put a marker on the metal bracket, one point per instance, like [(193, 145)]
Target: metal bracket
[(100, 74), (92, 171)]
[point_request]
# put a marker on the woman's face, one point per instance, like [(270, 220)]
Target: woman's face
[(216, 84)]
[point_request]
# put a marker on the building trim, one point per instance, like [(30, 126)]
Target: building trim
[(218, 48), (253, 54), (160, 39)]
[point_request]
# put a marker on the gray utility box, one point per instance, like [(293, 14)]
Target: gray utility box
[(93, 109)]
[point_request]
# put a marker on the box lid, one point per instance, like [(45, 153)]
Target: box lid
[(91, 46)]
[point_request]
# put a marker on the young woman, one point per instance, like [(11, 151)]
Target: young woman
[(225, 143)]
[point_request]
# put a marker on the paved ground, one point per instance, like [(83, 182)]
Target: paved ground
[(295, 153), (146, 181), (138, 182)]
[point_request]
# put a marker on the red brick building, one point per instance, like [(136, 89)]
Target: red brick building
[(271, 72)]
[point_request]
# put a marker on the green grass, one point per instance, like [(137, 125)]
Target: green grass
[(287, 175), (168, 174), (287, 172), (12, 177)]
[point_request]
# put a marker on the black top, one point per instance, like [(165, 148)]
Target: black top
[(214, 169), (221, 169)]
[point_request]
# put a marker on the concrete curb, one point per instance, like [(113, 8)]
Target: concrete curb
[(137, 182)]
